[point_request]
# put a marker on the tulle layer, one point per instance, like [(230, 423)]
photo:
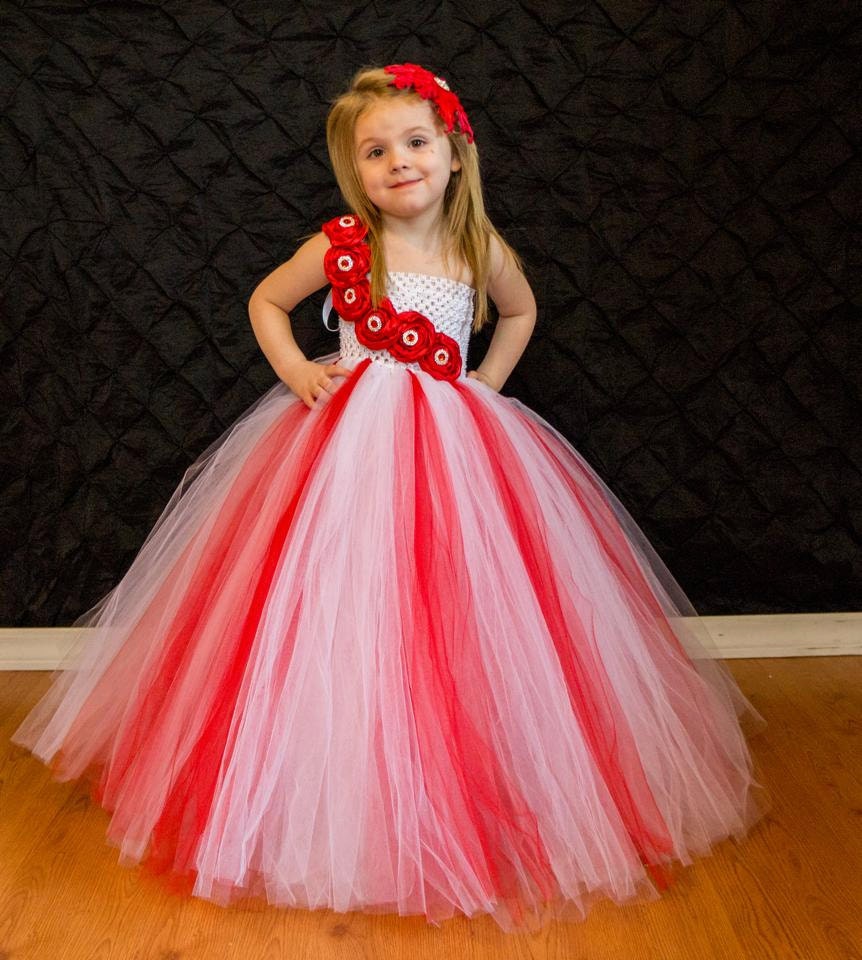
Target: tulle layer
[(403, 652)]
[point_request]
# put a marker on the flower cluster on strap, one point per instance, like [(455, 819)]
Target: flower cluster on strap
[(407, 335), (431, 87)]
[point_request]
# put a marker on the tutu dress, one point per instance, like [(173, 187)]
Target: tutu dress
[(401, 652)]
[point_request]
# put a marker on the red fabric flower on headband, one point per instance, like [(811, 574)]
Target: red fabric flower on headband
[(431, 87)]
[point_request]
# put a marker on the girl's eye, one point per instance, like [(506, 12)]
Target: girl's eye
[(419, 140)]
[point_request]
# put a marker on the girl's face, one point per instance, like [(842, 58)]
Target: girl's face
[(398, 142)]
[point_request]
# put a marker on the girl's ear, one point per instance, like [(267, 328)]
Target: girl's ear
[(456, 164)]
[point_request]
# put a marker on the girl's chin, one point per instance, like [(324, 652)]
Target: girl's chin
[(410, 205)]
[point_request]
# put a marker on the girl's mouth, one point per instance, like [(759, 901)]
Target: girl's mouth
[(406, 183)]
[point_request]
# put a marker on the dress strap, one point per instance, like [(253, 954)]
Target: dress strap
[(327, 309), (407, 335)]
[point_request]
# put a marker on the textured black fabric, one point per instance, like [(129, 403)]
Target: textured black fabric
[(682, 180)]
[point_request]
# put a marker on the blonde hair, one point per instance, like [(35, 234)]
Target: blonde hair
[(467, 229)]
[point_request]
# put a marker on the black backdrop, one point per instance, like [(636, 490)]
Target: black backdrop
[(682, 180)]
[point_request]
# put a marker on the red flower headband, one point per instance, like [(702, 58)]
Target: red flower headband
[(431, 87)]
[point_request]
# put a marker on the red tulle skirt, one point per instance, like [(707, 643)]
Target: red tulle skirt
[(402, 652)]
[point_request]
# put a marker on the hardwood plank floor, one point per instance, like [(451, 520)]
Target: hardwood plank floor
[(790, 890)]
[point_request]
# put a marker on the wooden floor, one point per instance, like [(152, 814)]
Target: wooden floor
[(791, 890)]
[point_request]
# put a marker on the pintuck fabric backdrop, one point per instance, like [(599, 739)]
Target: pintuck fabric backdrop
[(682, 180)]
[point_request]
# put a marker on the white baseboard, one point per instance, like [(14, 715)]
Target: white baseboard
[(787, 634), (746, 635)]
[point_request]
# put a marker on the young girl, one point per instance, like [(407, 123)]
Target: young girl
[(393, 645)]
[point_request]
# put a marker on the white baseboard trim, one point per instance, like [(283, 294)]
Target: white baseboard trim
[(746, 635), (787, 634)]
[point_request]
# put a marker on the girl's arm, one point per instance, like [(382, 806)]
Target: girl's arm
[(516, 305), (269, 312)]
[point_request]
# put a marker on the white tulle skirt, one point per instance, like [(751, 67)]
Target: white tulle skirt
[(401, 652)]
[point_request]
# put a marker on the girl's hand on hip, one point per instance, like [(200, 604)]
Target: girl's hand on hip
[(309, 379)]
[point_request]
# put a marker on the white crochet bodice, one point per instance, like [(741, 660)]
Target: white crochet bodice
[(448, 304)]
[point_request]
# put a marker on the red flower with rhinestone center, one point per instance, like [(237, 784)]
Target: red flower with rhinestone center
[(431, 87)]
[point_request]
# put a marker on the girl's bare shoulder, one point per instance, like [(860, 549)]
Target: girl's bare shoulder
[(298, 277)]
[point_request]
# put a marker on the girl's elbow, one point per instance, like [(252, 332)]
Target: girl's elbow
[(258, 299), (250, 306)]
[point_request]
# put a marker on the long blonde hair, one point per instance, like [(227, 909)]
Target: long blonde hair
[(467, 229)]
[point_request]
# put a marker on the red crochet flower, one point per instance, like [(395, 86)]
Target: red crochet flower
[(431, 87), (347, 265), (379, 326), (415, 333), (443, 358)]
